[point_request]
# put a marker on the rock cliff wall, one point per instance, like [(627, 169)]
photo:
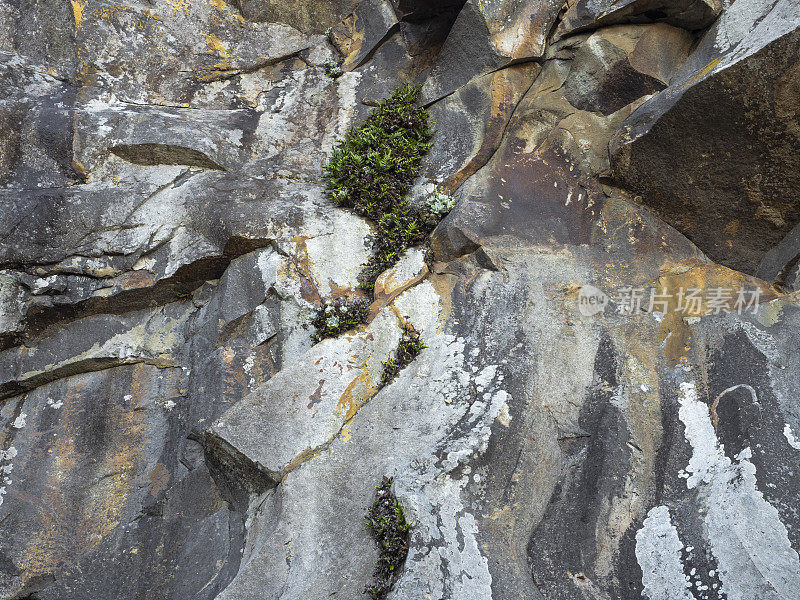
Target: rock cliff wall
[(170, 430)]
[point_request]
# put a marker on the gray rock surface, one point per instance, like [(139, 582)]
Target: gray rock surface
[(168, 427)]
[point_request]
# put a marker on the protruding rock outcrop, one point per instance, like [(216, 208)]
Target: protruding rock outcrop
[(591, 14), (717, 154)]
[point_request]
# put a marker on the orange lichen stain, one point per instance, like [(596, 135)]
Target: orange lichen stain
[(216, 44), (732, 227), (349, 38), (178, 6), (234, 378), (702, 277), (384, 298), (300, 266), (84, 495), (78, 7), (508, 86), (136, 280), (159, 480), (444, 284), (354, 396)]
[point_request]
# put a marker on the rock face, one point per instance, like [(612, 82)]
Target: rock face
[(590, 14), (738, 207), (168, 427)]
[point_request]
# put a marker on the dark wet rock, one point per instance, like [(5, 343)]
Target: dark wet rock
[(471, 122), (619, 65), (417, 10), (716, 156), (780, 264), (591, 14), (98, 495), (538, 183), (42, 31), (36, 111)]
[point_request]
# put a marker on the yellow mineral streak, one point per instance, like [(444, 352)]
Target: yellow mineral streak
[(674, 328), (216, 45), (355, 395), (72, 517), (179, 6), (78, 7), (703, 72)]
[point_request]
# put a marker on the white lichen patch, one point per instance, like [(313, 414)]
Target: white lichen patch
[(53, 404), (790, 437), (658, 551), (8, 454), (336, 259), (19, 422), (745, 533)]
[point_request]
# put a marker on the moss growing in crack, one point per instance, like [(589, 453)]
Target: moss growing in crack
[(372, 169), (440, 203), (388, 526), (333, 69), (336, 317), (410, 345)]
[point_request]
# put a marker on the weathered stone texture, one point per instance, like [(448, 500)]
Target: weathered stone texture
[(168, 428)]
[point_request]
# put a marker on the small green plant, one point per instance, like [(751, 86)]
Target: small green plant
[(333, 69), (372, 169), (410, 345), (440, 203), (338, 316), (389, 528)]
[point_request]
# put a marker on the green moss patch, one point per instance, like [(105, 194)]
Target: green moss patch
[(372, 169), (410, 345), (388, 526), (336, 317)]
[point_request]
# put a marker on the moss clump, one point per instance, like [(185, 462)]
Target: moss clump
[(372, 169), (410, 345), (387, 524), (333, 69), (334, 318), (440, 203)]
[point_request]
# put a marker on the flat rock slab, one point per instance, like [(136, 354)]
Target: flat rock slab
[(330, 383)]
